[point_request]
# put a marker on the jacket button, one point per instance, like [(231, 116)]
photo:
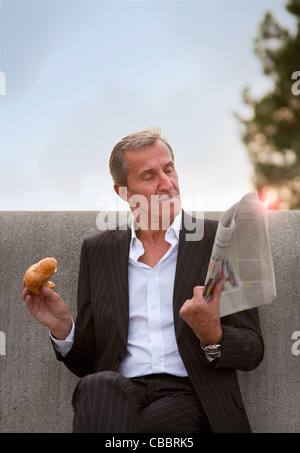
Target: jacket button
[(119, 357)]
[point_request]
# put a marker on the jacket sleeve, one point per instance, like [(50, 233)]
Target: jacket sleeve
[(242, 346), (80, 359)]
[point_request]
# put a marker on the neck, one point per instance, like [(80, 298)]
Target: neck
[(151, 236), (152, 230)]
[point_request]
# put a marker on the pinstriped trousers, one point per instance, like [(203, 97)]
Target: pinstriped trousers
[(107, 402)]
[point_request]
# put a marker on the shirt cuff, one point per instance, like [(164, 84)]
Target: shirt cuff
[(64, 346)]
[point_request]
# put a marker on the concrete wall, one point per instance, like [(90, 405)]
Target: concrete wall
[(36, 390)]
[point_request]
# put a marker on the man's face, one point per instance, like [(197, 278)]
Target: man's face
[(152, 185)]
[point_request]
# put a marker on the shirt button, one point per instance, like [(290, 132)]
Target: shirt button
[(157, 362), (155, 335), (152, 274), (153, 306)]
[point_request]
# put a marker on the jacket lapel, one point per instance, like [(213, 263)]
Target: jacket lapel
[(190, 271), (117, 258)]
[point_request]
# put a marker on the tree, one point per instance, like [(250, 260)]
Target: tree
[(272, 133)]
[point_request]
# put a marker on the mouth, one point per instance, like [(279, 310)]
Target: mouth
[(164, 198)]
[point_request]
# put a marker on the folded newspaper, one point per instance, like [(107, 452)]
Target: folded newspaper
[(241, 254)]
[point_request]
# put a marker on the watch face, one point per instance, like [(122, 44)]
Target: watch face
[(213, 348)]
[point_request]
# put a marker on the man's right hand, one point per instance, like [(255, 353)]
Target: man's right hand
[(50, 310)]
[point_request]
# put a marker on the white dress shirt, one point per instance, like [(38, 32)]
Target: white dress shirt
[(151, 346)]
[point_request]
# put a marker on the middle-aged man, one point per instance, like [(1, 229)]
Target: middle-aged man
[(153, 355)]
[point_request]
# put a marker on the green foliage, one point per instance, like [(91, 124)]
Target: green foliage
[(272, 133)]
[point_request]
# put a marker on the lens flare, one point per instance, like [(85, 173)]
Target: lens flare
[(269, 196)]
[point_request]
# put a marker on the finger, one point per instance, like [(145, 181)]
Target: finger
[(187, 301), (198, 291), (25, 293), (28, 302), (218, 288)]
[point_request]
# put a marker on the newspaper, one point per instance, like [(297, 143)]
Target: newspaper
[(242, 254)]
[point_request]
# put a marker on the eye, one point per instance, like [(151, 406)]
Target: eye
[(148, 177)]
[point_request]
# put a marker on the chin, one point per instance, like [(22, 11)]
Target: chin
[(169, 210)]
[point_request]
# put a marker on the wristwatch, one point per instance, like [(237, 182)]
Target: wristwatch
[(213, 350)]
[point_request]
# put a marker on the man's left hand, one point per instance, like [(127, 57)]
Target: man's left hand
[(204, 317)]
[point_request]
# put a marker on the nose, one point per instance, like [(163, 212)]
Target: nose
[(164, 182)]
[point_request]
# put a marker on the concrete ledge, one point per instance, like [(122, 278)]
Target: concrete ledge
[(36, 390)]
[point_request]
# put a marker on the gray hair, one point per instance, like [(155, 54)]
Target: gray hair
[(117, 164)]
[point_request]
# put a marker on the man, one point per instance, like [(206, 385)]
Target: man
[(153, 355)]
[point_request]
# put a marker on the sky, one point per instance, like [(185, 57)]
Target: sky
[(80, 75)]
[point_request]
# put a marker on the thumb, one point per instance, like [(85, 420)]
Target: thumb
[(198, 292), (49, 293), (52, 297), (218, 288)]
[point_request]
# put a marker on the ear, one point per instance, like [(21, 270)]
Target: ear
[(121, 191)]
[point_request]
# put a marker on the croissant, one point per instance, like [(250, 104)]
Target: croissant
[(39, 274)]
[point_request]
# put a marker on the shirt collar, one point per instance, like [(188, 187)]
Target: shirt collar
[(172, 232)]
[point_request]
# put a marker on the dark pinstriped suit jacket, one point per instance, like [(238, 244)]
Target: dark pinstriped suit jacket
[(102, 324)]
